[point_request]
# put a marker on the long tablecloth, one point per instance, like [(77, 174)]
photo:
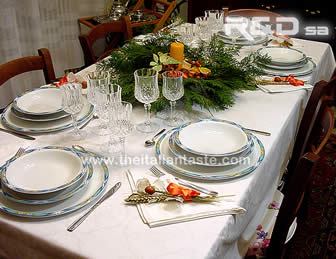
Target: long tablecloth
[(115, 230)]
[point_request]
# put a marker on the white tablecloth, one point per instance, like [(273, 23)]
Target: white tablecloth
[(116, 231)]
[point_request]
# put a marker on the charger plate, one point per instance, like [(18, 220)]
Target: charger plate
[(90, 193), (307, 69), (176, 166)]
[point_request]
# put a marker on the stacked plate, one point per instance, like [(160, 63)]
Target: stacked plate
[(287, 61), (50, 181), (40, 111), (243, 41), (210, 150)]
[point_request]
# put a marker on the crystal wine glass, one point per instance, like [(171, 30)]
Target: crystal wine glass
[(234, 27), (202, 24), (146, 91), (106, 97), (73, 103), (173, 90), (121, 126)]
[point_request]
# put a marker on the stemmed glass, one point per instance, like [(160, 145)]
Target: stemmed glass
[(121, 126), (73, 103), (106, 97), (233, 27), (173, 90), (146, 91), (202, 24)]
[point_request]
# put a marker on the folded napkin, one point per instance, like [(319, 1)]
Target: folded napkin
[(282, 88), (165, 213)]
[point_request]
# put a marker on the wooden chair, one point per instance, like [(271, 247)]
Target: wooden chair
[(321, 96), (162, 13), (299, 183), (123, 26), (25, 64)]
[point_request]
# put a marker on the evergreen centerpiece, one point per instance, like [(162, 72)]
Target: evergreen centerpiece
[(212, 71)]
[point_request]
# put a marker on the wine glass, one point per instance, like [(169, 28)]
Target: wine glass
[(121, 126), (97, 81), (173, 90), (73, 103), (202, 24), (106, 97), (146, 91)]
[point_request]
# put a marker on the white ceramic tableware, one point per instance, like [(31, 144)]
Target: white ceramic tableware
[(44, 170), (283, 56), (191, 158), (307, 69), (212, 137), (40, 101), (90, 193), (39, 118), (16, 124), (42, 199), (167, 160)]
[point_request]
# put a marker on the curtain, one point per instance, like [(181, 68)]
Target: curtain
[(27, 25)]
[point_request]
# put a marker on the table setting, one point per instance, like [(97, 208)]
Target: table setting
[(98, 152)]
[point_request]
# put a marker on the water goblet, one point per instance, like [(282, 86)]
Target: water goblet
[(121, 126), (202, 24), (106, 97), (146, 91), (172, 90), (234, 27), (73, 103)]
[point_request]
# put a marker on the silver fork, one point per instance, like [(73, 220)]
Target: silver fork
[(17, 154), (158, 173)]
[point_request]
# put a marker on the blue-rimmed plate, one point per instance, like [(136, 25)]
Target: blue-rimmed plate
[(191, 158), (91, 192), (19, 125), (307, 69), (48, 198), (176, 166), (44, 170), (212, 137), (40, 101)]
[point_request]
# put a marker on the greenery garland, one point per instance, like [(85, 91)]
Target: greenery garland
[(216, 91)]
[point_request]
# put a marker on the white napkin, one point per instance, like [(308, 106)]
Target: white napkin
[(283, 88), (165, 213)]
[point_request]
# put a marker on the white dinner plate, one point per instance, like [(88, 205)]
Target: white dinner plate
[(39, 118), (307, 69), (40, 101), (211, 137), (43, 170), (176, 166), (16, 124), (257, 41), (191, 158), (41, 199), (90, 193), (283, 56), (288, 67)]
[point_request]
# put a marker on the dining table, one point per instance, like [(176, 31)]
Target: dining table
[(115, 229)]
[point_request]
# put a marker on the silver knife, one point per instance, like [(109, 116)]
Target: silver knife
[(79, 221), (20, 135)]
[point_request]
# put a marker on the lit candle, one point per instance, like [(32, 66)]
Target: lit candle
[(177, 51)]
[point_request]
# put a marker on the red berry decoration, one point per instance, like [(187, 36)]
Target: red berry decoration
[(150, 189)]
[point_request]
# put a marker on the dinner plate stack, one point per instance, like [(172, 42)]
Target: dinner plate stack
[(40, 111), (212, 150), (287, 61), (243, 41), (50, 181)]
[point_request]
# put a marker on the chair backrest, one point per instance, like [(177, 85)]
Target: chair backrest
[(25, 64), (291, 204), (320, 97), (166, 9), (123, 26)]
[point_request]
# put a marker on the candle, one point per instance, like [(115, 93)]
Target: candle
[(177, 51)]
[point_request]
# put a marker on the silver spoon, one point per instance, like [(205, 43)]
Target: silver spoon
[(151, 142)]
